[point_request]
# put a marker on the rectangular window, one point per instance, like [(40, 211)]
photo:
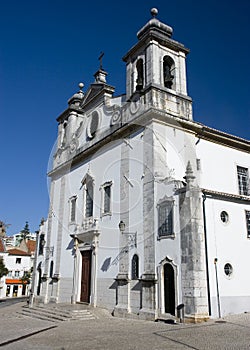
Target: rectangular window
[(18, 260), (41, 244), (248, 223), (243, 180), (165, 219), (106, 204), (89, 201), (17, 273), (10, 274), (73, 209)]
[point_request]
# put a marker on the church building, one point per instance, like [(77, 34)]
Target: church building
[(148, 208)]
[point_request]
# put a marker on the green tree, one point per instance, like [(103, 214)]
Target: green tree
[(3, 269), (25, 231), (26, 277)]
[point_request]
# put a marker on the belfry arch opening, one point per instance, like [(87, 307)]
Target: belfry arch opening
[(168, 72), (140, 76)]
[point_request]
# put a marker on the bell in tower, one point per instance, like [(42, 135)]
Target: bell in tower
[(156, 68)]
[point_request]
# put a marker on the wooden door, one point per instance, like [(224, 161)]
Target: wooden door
[(169, 289), (86, 276)]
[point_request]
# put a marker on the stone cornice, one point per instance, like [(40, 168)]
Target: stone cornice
[(147, 39), (226, 196), (202, 131), (119, 131)]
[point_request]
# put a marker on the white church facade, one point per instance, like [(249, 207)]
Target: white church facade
[(149, 209)]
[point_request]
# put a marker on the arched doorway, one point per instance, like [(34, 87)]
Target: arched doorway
[(169, 289)]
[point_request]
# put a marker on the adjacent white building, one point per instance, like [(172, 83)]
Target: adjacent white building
[(19, 262), (149, 209)]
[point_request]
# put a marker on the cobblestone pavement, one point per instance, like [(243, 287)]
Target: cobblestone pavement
[(106, 332)]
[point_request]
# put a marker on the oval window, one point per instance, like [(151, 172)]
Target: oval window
[(93, 124), (224, 216), (228, 269)]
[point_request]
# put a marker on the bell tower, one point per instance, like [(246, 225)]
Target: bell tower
[(156, 68)]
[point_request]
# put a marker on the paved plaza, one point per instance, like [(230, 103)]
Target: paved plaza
[(106, 332)]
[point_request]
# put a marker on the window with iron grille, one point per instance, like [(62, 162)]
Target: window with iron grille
[(165, 218), (243, 180), (73, 209), (248, 222)]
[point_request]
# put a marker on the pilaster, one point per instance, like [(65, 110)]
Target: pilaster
[(193, 271), (148, 280), (123, 291)]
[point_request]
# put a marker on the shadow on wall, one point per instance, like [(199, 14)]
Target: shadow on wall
[(106, 264)]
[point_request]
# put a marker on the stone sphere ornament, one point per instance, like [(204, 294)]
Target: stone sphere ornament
[(154, 12)]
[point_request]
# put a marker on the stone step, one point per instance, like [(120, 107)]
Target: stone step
[(167, 318), (56, 314)]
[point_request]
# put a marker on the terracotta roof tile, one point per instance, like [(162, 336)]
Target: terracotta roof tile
[(16, 251), (31, 246)]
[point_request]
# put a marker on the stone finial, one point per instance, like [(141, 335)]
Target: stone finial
[(81, 85), (189, 173), (77, 97), (155, 26), (154, 12)]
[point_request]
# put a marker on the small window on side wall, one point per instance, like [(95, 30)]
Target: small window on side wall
[(248, 223), (224, 217), (228, 269), (135, 267), (243, 180), (165, 219)]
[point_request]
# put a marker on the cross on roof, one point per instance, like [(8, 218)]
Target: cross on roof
[(100, 59)]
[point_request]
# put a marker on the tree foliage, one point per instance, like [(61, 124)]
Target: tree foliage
[(3, 269), (26, 277), (25, 231)]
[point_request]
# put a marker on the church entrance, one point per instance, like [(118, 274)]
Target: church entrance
[(86, 276), (169, 289)]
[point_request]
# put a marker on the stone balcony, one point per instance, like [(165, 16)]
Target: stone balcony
[(88, 231)]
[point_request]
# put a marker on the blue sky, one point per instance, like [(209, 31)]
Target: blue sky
[(48, 47)]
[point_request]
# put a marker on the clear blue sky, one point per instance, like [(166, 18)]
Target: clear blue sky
[(47, 47)]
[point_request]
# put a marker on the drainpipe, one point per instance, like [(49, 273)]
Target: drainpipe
[(217, 286), (206, 253)]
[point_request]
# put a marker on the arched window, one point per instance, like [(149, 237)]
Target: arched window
[(135, 267), (51, 269), (168, 71), (41, 244), (139, 80)]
